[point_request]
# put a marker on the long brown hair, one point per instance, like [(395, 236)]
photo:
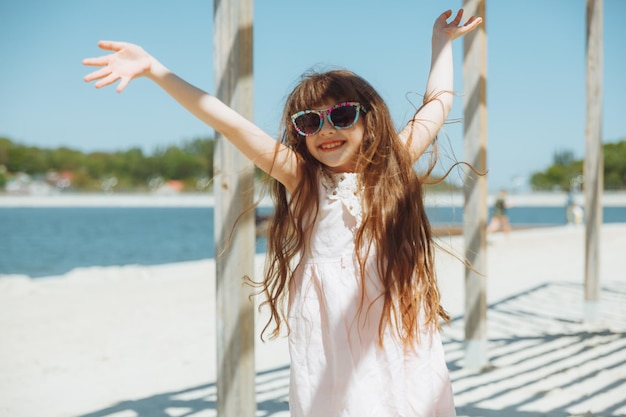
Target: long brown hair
[(394, 222)]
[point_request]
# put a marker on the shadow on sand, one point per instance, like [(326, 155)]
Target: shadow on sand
[(544, 362), (200, 401)]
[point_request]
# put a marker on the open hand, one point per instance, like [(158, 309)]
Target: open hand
[(129, 61), (452, 29)]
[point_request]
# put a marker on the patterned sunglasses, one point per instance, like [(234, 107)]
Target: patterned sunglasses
[(340, 116)]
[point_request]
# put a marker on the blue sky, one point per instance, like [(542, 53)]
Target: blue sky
[(535, 88)]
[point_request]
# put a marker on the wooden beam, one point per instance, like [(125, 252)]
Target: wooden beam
[(234, 193), (594, 160), (475, 188)]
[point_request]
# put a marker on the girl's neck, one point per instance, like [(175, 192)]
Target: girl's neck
[(330, 171)]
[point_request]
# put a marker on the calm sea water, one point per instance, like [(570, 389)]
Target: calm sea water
[(50, 241)]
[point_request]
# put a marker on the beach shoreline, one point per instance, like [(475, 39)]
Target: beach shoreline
[(539, 199)]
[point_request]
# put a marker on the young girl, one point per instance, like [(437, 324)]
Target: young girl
[(349, 246)]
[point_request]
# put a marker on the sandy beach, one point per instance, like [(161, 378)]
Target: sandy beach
[(140, 341)]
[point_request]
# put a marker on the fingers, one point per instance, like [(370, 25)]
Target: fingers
[(122, 85), (446, 15), (474, 21), (97, 75), (457, 18), (107, 75), (96, 62), (103, 60), (108, 80), (455, 23), (111, 45), (442, 20), (471, 24)]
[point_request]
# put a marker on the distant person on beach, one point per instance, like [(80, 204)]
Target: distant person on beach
[(574, 213), (499, 217), (350, 248)]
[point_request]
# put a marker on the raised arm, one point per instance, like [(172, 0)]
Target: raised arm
[(428, 120), (130, 61)]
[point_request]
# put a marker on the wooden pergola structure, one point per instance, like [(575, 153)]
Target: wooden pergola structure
[(234, 189), (475, 188), (234, 192)]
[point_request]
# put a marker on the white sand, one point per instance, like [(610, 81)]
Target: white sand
[(140, 341)]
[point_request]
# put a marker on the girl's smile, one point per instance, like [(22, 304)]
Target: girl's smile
[(337, 148), (330, 146)]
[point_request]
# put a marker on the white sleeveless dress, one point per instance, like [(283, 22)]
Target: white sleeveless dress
[(338, 368)]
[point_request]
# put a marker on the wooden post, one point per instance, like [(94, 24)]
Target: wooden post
[(234, 188), (594, 160), (475, 188)]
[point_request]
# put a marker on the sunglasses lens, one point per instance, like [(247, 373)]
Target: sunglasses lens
[(341, 116), (308, 123), (344, 116)]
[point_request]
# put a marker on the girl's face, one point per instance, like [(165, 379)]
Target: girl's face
[(336, 148)]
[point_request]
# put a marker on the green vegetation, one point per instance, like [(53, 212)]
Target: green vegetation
[(566, 172), (190, 164)]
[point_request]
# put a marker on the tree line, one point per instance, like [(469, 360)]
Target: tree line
[(566, 172), (132, 170)]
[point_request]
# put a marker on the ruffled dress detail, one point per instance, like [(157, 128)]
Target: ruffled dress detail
[(338, 368)]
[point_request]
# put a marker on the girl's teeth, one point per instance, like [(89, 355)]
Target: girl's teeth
[(331, 145)]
